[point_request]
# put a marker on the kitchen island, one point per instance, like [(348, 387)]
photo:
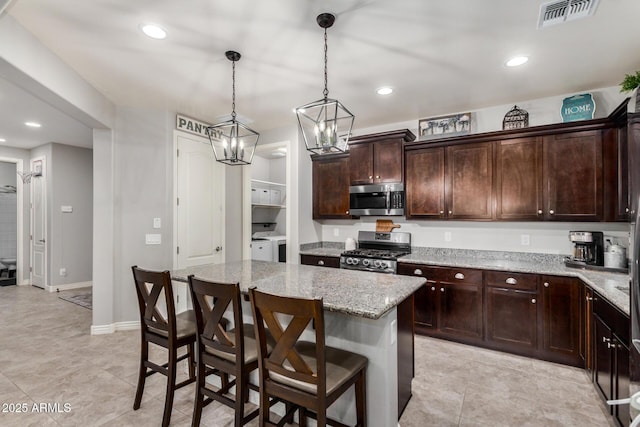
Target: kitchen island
[(367, 313)]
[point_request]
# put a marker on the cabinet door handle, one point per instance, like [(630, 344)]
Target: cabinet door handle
[(459, 276), (546, 284), (533, 300), (588, 298), (377, 176), (441, 289), (626, 210), (321, 262), (511, 281), (370, 176), (450, 212), (417, 272), (347, 212), (441, 212), (612, 345), (539, 211), (433, 288), (606, 340), (551, 212)]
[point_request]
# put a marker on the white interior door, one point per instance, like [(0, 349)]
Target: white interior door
[(200, 203), (38, 268)]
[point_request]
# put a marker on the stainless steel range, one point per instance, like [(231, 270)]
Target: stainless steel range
[(377, 252)]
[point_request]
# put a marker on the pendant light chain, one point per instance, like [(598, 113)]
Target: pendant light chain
[(233, 86), (326, 90)]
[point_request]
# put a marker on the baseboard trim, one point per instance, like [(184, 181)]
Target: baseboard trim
[(68, 286), (115, 327)]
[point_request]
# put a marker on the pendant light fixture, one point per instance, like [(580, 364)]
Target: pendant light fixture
[(325, 124), (233, 142)]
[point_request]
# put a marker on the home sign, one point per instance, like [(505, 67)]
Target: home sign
[(578, 107)]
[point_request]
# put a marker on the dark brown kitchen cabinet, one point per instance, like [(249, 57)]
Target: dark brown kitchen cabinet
[(586, 345), (511, 312), (320, 261), (424, 183), (469, 181), (611, 371), (377, 158), (617, 201), (425, 298), (518, 178), (561, 321), (449, 305), (573, 180), (330, 186)]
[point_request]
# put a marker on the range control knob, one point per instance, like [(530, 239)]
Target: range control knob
[(366, 262), (377, 263), (355, 261)]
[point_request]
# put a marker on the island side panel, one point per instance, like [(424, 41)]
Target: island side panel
[(406, 362)]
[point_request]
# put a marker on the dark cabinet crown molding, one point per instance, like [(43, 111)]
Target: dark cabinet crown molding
[(404, 134)]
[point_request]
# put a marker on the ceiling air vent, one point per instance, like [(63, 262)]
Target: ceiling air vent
[(557, 12)]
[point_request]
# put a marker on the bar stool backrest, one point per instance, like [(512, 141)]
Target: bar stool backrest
[(284, 359), (149, 286)]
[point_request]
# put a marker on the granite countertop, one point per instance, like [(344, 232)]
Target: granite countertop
[(355, 293), (613, 286)]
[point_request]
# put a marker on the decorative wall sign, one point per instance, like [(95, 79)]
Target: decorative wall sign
[(193, 126), (516, 118), (456, 124), (578, 107)]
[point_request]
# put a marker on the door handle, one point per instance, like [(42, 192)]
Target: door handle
[(41, 241), (218, 248)]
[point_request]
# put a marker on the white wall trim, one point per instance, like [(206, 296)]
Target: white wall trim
[(68, 286), (115, 327)]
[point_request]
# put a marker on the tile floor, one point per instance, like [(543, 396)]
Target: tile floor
[(48, 356)]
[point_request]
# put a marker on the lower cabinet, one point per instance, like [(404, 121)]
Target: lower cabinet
[(611, 356), (527, 314), (321, 261), (450, 304), (511, 314)]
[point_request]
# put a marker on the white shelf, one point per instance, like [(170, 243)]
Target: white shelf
[(260, 205), (259, 181)]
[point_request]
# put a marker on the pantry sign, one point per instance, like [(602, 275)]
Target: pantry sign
[(194, 126), (578, 107)]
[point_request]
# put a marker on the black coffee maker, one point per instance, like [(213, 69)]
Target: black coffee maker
[(588, 247)]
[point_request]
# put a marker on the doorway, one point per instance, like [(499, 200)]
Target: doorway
[(8, 222), (199, 210)]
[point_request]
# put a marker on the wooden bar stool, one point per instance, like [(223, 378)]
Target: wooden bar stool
[(171, 333), (231, 352), (307, 374)]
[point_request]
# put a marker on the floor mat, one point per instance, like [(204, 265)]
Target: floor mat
[(84, 299)]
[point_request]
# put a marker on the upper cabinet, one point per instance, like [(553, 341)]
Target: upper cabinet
[(377, 158), (330, 188), (564, 172), (573, 183)]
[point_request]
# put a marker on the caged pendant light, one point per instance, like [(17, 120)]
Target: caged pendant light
[(325, 124), (233, 142)]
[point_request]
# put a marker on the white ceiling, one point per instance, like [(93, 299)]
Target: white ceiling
[(439, 56)]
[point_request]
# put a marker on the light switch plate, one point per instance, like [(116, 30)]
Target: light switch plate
[(153, 239), (157, 223), (66, 209)]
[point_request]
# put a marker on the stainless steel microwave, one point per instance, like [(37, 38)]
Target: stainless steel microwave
[(382, 199)]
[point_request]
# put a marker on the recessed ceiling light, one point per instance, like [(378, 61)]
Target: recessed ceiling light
[(517, 61), (154, 31), (33, 124), (3, 140), (385, 90)]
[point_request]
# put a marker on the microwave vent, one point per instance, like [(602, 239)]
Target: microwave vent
[(559, 11)]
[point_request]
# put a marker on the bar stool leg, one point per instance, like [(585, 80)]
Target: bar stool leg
[(171, 381), (142, 374), (361, 404)]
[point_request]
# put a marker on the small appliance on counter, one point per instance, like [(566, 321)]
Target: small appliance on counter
[(615, 256), (589, 252)]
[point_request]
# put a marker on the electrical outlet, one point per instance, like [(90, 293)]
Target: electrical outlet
[(525, 239), (157, 223), (63, 272), (447, 236)]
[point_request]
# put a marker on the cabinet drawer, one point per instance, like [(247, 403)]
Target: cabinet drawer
[(460, 275), (429, 273), (528, 282), (322, 261)]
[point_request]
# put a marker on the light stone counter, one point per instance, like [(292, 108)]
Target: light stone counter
[(361, 316), (356, 293), (609, 285)]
